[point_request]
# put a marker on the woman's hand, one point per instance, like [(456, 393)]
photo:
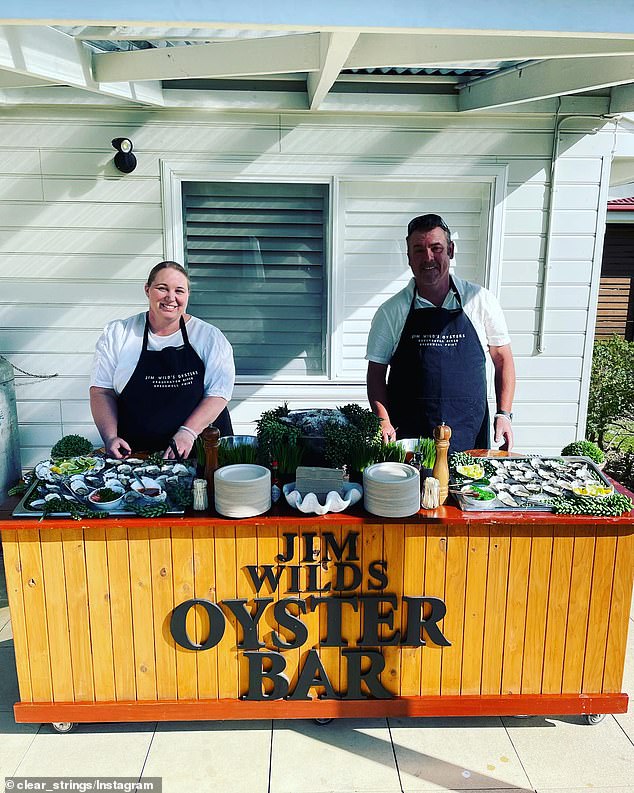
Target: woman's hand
[(388, 432), (184, 441), (118, 448)]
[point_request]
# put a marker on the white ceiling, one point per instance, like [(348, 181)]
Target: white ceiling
[(278, 67)]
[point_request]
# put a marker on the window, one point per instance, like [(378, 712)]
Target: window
[(256, 257)]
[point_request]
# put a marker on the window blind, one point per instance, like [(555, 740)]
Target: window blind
[(255, 256)]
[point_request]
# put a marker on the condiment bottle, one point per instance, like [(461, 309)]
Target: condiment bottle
[(211, 441), (442, 434), (276, 490)]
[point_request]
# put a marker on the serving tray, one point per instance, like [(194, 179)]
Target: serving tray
[(524, 504)]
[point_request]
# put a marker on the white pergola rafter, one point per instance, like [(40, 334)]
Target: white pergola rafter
[(241, 57), (334, 50), (546, 79), (44, 54), (382, 50)]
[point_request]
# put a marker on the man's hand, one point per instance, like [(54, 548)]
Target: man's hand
[(118, 448), (184, 441), (503, 433)]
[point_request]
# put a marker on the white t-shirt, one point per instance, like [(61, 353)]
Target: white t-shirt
[(118, 349), (480, 305)]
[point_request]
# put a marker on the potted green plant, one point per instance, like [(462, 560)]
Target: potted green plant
[(585, 449)]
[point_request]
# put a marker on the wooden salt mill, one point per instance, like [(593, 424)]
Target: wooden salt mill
[(211, 441), (442, 434)]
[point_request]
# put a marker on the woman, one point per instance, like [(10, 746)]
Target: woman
[(159, 378)]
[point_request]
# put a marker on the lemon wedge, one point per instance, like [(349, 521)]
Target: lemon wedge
[(474, 471), (592, 489)]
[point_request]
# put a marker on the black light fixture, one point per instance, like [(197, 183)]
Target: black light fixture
[(124, 160)]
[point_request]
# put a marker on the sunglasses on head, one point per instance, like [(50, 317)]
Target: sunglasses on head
[(426, 223)]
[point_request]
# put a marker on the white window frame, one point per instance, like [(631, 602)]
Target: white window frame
[(334, 172)]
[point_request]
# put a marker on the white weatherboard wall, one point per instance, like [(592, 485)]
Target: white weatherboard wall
[(77, 240)]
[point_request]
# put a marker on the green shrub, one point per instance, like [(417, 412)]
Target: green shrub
[(611, 387), (71, 446), (584, 449)]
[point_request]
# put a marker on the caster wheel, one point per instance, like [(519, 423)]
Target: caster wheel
[(594, 718), (63, 726), (321, 722)]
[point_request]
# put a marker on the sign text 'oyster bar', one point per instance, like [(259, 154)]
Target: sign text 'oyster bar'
[(296, 576)]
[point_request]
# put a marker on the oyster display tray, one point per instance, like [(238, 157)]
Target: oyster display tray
[(57, 479), (526, 504), (23, 511)]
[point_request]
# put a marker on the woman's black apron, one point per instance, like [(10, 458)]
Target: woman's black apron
[(161, 394), (438, 374)]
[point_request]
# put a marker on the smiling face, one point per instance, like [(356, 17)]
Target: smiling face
[(429, 254), (167, 295)]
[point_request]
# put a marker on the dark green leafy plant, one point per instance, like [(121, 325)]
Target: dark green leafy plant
[(179, 495), (149, 510), (611, 387), (71, 446), (19, 489), (584, 449), (620, 466)]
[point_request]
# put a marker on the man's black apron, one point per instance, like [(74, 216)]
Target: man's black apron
[(438, 374), (161, 394)]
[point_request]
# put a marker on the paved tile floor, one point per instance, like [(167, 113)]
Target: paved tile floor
[(548, 755)]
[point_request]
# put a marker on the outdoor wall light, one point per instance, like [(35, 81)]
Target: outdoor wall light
[(124, 160)]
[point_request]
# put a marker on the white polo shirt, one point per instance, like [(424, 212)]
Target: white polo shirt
[(480, 305), (118, 349)]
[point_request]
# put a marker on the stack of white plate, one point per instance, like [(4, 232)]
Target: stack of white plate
[(242, 491), (391, 490)]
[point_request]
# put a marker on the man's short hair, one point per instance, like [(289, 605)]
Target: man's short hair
[(427, 223)]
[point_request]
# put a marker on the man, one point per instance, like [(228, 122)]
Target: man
[(433, 335)]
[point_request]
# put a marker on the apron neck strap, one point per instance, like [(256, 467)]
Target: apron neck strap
[(452, 288), (146, 331)]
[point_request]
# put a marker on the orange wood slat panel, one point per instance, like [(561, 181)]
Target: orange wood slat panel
[(330, 656), (12, 570), (495, 609), (413, 585), (35, 611), (78, 620), (455, 587), (142, 612), (557, 616), (246, 553), (225, 548), (537, 609), (205, 589), (121, 613), (371, 550), (99, 612), (311, 619), (619, 613), (183, 561), (577, 626), (163, 602), (266, 555), (393, 541), (517, 592), (435, 563), (475, 600), (57, 615), (600, 598)]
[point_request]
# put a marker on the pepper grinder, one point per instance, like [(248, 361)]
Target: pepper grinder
[(442, 434), (211, 441)]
